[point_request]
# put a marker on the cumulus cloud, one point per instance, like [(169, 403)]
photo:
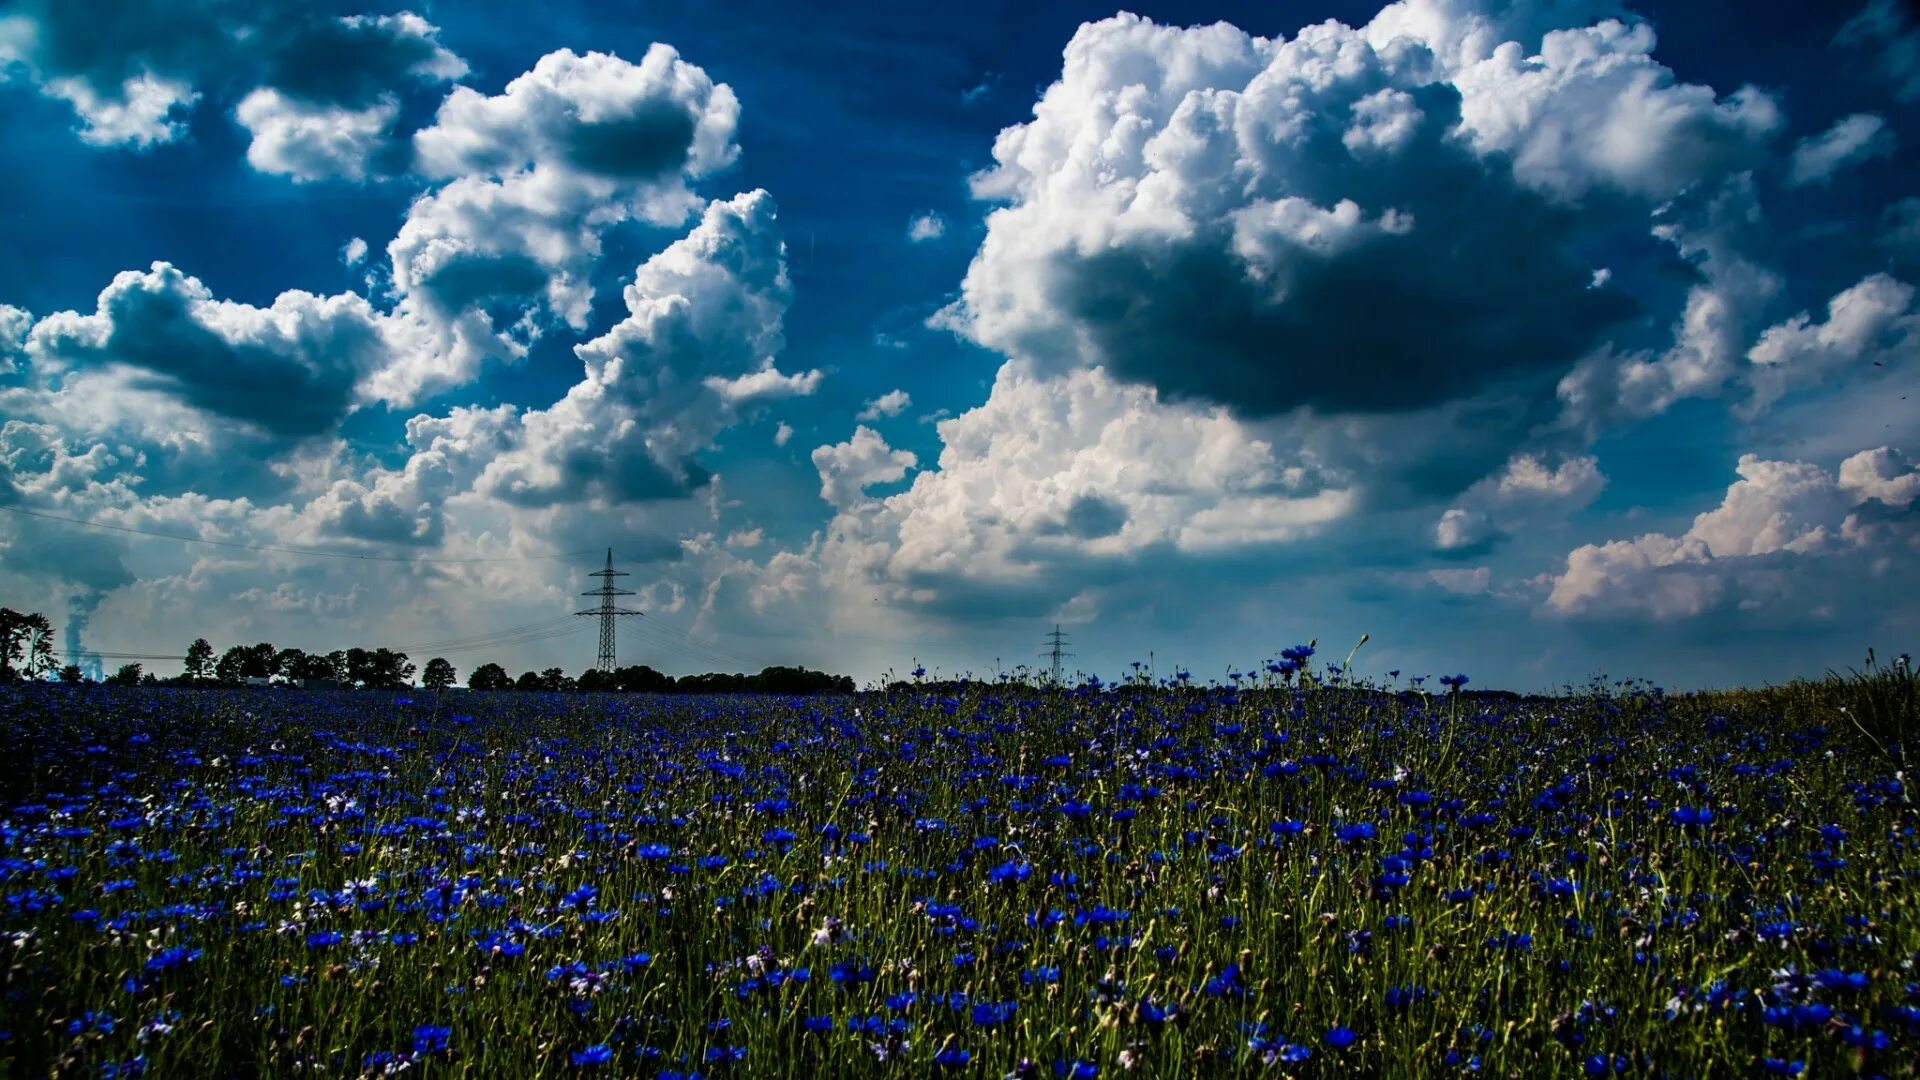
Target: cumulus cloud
[(536, 175), (1850, 141), (1463, 530), (891, 403), (133, 73), (1223, 217), (14, 324), (1871, 324), (1717, 231), (1525, 490), (1055, 478), (698, 345), (308, 142), (144, 111), (1782, 523), (782, 433), (290, 369), (927, 226), (407, 505), (847, 469)]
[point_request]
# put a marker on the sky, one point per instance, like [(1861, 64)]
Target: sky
[(1536, 341)]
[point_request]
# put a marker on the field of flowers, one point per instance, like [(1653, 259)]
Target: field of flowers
[(993, 880)]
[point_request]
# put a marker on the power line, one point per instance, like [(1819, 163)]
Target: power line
[(313, 553), (712, 646)]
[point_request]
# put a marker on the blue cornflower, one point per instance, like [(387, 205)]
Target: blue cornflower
[(993, 1014), (1012, 870), (597, 1054), (431, 1038), (1339, 1037), (167, 959), (952, 1057), (321, 939), (1353, 834), (1691, 817)]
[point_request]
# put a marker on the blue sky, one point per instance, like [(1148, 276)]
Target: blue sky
[(1535, 340)]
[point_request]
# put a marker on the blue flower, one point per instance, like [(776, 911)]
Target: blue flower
[(597, 1054), (167, 959), (1339, 1037), (430, 1038)]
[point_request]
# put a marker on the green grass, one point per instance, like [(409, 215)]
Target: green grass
[(1652, 942)]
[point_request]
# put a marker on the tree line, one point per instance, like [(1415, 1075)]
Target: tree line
[(27, 653)]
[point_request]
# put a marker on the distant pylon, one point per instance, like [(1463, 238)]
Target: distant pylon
[(606, 611), (1057, 651)]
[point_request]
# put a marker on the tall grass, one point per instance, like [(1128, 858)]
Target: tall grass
[(987, 881)]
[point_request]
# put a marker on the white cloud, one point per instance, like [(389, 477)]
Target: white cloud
[(308, 142), (14, 325), (925, 227), (407, 505), (767, 383), (536, 175), (1216, 215), (1525, 490), (146, 111), (891, 403), (1054, 476), (847, 469), (1782, 523), (1873, 322), (354, 253), (782, 433), (290, 369), (1461, 529), (1715, 230), (1576, 480), (134, 83), (1593, 108), (1883, 474), (1850, 141), (698, 344)]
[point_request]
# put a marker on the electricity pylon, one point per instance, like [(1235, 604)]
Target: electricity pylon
[(607, 611)]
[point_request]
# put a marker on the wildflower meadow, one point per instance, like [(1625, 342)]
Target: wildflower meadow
[(1281, 873)]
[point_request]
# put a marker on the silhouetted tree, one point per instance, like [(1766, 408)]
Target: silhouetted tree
[(243, 662), (554, 679), (128, 675), (489, 677), (439, 674), (528, 680), (72, 674), (26, 640), (379, 669), (199, 666)]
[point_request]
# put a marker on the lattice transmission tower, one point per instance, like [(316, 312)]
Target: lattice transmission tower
[(607, 611), (1056, 651)]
